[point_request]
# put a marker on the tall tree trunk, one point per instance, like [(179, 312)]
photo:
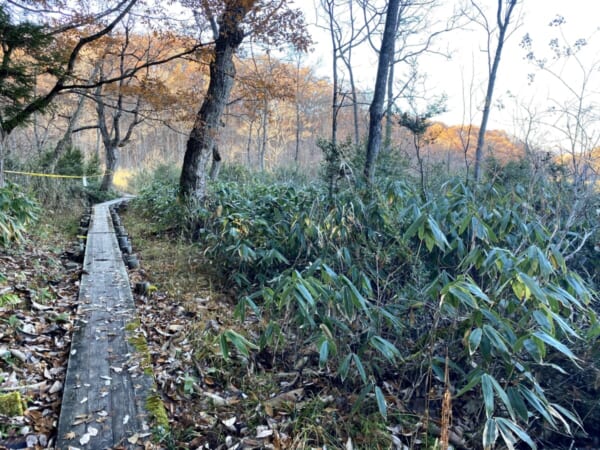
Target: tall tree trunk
[(222, 71), (387, 143), (386, 55), (215, 167), (502, 23), (297, 107), (249, 144), (263, 142), (329, 5), (3, 142), (112, 158), (298, 132)]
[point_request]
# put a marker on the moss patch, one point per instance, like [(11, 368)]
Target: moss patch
[(133, 325), (158, 413), (141, 346), (11, 404)]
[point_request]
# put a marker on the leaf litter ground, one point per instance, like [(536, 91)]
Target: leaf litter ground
[(38, 296)]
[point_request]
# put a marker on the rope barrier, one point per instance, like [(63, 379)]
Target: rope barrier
[(51, 175)]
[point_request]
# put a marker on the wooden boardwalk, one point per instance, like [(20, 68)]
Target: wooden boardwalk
[(109, 386)]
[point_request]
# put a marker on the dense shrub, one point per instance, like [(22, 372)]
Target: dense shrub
[(17, 211), (468, 292)]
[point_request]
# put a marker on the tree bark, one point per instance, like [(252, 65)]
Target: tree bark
[(3, 140), (215, 167), (112, 158), (503, 23), (389, 116), (263, 141), (222, 71), (376, 109)]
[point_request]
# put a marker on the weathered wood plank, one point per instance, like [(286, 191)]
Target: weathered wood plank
[(105, 388)]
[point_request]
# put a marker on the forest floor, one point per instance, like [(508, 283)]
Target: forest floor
[(38, 298)]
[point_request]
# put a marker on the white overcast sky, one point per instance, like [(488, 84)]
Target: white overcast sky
[(445, 76)]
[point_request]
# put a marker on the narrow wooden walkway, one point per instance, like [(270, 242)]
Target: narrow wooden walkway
[(108, 388)]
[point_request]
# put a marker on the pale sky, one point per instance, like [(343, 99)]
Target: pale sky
[(468, 63)]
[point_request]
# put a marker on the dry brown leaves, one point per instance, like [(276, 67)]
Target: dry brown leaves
[(39, 298)]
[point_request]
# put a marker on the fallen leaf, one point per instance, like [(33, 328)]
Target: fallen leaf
[(263, 432), (70, 436), (133, 439), (84, 439)]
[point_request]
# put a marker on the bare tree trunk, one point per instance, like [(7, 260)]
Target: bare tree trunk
[(112, 158), (376, 109), (249, 144), (216, 163), (502, 23), (390, 104), (222, 71), (354, 105), (263, 142), (329, 6), (297, 106), (3, 141)]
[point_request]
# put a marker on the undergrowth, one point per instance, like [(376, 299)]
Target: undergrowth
[(483, 296)]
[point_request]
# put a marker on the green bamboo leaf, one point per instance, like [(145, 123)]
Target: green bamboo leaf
[(490, 434), (535, 348), (381, 402), (533, 287), (538, 404), (488, 394), (506, 426), (543, 321), (557, 259), (503, 396), (556, 344), (438, 236), (359, 366), (518, 404), (495, 339), (357, 296), (224, 346), (568, 414), (412, 230), (345, 366), (240, 342), (474, 340), (306, 295), (323, 353), (563, 325), (386, 348), (463, 296)]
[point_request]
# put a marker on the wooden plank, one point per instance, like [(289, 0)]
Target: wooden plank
[(105, 388)]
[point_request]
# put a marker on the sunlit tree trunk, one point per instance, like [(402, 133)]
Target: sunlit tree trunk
[(222, 71), (376, 109), (112, 159), (503, 21)]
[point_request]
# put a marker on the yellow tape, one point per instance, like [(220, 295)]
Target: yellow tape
[(50, 175)]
